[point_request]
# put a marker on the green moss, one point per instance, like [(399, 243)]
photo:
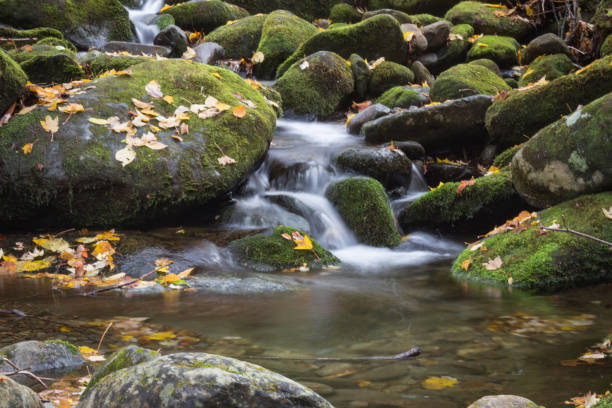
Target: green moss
[(281, 35), (402, 97), (502, 50), (437, 7), (522, 113), (603, 18), (505, 158), (484, 20), (35, 33), (606, 46), (205, 16), (400, 16), (488, 202), (487, 63), (318, 89), (551, 261), (387, 75), (163, 20), (46, 64), (455, 51), (344, 13), (424, 19), (334, 26), (71, 347), (549, 66), (361, 75), (273, 252), (308, 10), (241, 38), (12, 81), (379, 36), (605, 402), (56, 42), (364, 207), (105, 63), (465, 80)]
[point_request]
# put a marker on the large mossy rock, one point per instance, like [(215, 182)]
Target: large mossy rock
[(404, 97), (283, 32), (550, 261), (316, 85), (387, 75), (400, 16), (500, 49), (199, 379), (76, 180), (103, 63), (364, 207), (465, 80), (269, 252), (15, 395), (47, 64), (568, 158), (379, 36), (524, 112), (86, 23), (545, 44), (308, 10), (391, 167), (547, 66), (490, 201), (344, 13), (12, 81), (205, 16), (36, 34), (484, 20), (41, 357), (239, 39), (437, 7)]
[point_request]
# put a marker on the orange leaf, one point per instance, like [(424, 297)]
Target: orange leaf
[(464, 184), (240, 111), (27, 148)]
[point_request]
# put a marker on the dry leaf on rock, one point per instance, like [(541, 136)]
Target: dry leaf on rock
[(125, 155), (225, 160), (240, 111), (493, 264), (154, 89)]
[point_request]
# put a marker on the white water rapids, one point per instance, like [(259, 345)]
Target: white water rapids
[(141, 18)]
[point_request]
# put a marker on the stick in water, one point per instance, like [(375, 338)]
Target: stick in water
[(413, 352)]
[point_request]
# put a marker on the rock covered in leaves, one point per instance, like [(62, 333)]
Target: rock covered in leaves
[(568, 158), (503, 401), (364, 207), (205, 16), (241, 38), (47, 64), (389, 166), (317, 84), (548, 261), (191, 379), (15, 395), (464, 80), (102, 63), (525, 111), (271, 251), (12, 81), (76, 178)]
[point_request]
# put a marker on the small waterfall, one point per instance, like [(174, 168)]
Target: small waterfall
[(141, 18)]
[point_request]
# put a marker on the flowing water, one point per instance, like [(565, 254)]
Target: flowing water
[(141, 18), (380, 302)]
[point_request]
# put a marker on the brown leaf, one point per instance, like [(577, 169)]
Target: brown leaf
[(240, 111), (493, 264), (50, 125)]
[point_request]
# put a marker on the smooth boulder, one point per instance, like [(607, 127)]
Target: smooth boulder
[(12, 81), (465, 80), (391, 167), (545, 44), (15, 395), (47, 64), (503, 401), (500, 49), (404, 97), (239, 39), (388, 75), (205, 16)]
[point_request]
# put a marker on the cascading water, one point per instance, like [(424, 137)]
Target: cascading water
[(141, 18)]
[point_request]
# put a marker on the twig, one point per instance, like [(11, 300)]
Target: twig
[(580, 234), (119, 286), (59, 234), (20, 314), (102, 338), (413, 352), (24, 372)]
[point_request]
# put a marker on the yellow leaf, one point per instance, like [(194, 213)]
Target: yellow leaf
[(439, 185), (142, 105), (31, 266), (348, 119), (364, 383), (189, 54), (86, 350), (409, 35), (465, 265), (27, 148), (493, 170), (166, 7), (258, 57), (27, 110), (607, 213), (186, 273), (221, 107), (240, 111), (102, 250), (483, 45), (71, 108), (230, 22), (65, 329), (528, 10), (108, 235), (193, 37), (169, 99), (162, 336), (52, 244), (529, 71), (439, 383), (495, 5), (216, 75), (98, 121), (303, 244), (225, 160), (51, 125), (169, 278), (125, 155)]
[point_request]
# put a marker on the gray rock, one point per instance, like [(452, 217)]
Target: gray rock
[(15, 395), (420, 40), (429, 59), (208, 53), (436, 34), (421, 73), (392, 168), (370, 113), (172, 36), (445, 172), (503, 401), (413, 150), (435, 127), (361, 75), (136, 48), (545, 44), (199, 379)]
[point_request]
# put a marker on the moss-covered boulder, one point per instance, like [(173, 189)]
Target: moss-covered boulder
[(502, 50), (13, 394), (308, 10), (465, 80), (404, 97), (603, 18), (344, 13), (453, 53), (282, 34), (269, 251), (568, 158), (549, 66), (205, 16), (317, 84), (85, 23), (77, 180), (12, 81), (423, 19), (376, 37), (475, 208), (174, 38), (545, 44), (487, 63), (503, 401), (239, 39), (604, 402), (437, 7), (364, 207), (484, 20), (606, 46), (41, 357), (35, 34), (361, 75), (103, 63), (505, 158), (57, 43), (199, 378), (162, 21), (550, 261), (524, 112), (391, 167), (370, 113), (46, 64), (388, 75), (400, 16)]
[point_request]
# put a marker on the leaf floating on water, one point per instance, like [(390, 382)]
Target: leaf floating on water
[(52, 244), (225, 160), (154, 89), (493, 264), (439, 383), (125, 155)]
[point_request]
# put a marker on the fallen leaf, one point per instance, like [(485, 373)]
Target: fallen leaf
[(304, 65), (439, 383), (71, 108), (51, 125), (286, 236), (186, 273), (465, 265), (184, 129), (154, 89), (240, 111), (303, 244), (189, 54), (52, 244), (27, 110), (169, 99), (142, 105), (225, 160), (493, 264), (98, 121), (464, 184), (216, 75), (221, 107), (27, 148), (125, 155), (607, 213), (258, 57)]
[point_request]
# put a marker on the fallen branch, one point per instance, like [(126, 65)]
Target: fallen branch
[(413, 352), (119, 286), (26, 373), (102, 338), (580, 234)]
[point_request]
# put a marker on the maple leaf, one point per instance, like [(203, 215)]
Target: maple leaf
[(125, 155), (52, 244), (464, 184), (27, 148), (303, 244), (493, 264), (142, 105), (240, 111), (51, 125), (71, 108), (225, 160), (169, 99), (465, 265), (154, 90)]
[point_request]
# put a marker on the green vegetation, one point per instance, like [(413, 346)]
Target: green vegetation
[(501, 50), (402, 97), (549, 66), (71, 347), (464, 80), (12, 81), (241, 38), (344, 13), (387, 75), (484, 20), (205, 16)]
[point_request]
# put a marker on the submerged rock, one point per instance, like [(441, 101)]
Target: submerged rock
[(15, 395), (241, 38), (205, 16), (192, 379), (12, 81), (503, 401)]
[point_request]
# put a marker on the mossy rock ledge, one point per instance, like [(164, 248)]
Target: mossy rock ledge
[(552, 261), (47, 64), (269, 252), (12, 81), (239, 39), (76, 180)]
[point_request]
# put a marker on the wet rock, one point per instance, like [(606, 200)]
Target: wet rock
[(436, 127), (525, 112), (404, 97), (15, 395), (190, 378), (361, 75), (436, 34), (46, 64), (421, 73), (413, 150), (282, 34), (503, 401), (12, 81), (400, 16), (370, 113), (208, 52), (568, 158), (241, 38), (487, 63), (502, 50), (364, 207), (505, 158), (227, 284), (391, 168), (420, 41), (172, 36), (445, 172), (317, 84), (269, 251), (376, 37), (321, 389), (545, 44), (162, 21), (453, 53), (136, 48), (388, 75), (265, 216), (549, 66), (205, 16), (168, 181), (54, 357)]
